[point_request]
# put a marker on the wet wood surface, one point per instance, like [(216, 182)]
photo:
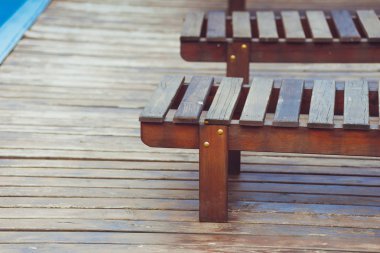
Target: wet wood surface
[(75, 176)]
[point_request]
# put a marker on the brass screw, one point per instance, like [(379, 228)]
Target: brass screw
[(233, 57), (244, 46), (206, 144), (220, 131)]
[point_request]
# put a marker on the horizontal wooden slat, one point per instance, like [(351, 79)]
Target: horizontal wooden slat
[(257, 102), (267, 26), (356, 105), (370, 23), (192, 26), (216, 26), (162, 99), (319, 27), (345, 26), (193, 102), (225, 100), (292, 26), (241, 25)]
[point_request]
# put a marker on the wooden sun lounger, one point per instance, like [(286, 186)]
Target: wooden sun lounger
[(338, 36), (222, 118)]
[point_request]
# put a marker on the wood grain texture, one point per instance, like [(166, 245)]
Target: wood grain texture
[(292, 26), (267, 26), (192, 26), (216, 26), (319, 27), (238, 62), (257, 102), (241, 25), (193, 102), (213, 173), (370, 23), (162, 99), (356, 113), (345, 26), (225, 101), (321, 114), (289, 104)]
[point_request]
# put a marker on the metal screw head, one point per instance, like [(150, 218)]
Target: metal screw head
[(206, 144), (233, 57), (220, 131), (244, 46)]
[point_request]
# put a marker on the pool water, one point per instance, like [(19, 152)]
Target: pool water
[(8, 8)]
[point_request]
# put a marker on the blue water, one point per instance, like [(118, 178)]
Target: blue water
[(8, 8)]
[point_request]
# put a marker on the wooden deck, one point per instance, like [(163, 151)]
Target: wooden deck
[(75, 177)]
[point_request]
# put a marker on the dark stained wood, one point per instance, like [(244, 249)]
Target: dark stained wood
[(370, 23), (234, 162), (321, 114), (345, 26), (257, 102), (236, 5), (241, 25), (292, 26), (225, 101), (192, 26), (319, 27), (238, 60), (213, 173), (289, 104), (162, 99), (193, 102), (267, 26), (216, 26), (356, 105), (307, 52)]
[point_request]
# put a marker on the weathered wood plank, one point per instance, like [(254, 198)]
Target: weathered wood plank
[(194, 100), (241, 25), (356, 115), (225, 101), (267, 27), (192, 26), (320, 29), (321, 114), (162, 99), (292, 26), (345, 26), (257, 102), (289, 103), (216, 26), (370, 23)]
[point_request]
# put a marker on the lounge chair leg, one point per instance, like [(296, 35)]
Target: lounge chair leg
[(238, 60), (213, 173), (236, 5), (234, 162)]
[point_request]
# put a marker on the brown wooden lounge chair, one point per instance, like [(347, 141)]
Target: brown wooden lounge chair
[(222, 118), (338, 36)]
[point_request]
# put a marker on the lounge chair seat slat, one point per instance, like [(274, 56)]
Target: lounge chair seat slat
[(289, 103), (241, 25), (319, 27), (345, 26), (356, 105), (162, 99), (321, 114), (257, 102), (216, 26), (292, 26), (193, 102), (370, 23), (225, 101), (192, 27), (267, 27)]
